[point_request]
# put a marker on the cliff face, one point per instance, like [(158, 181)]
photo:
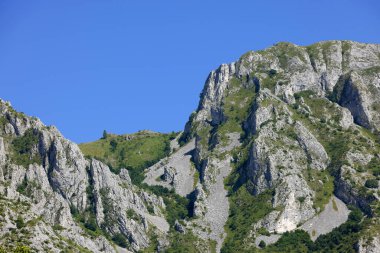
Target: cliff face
[(304, 116), (53, 198), (283, 138)]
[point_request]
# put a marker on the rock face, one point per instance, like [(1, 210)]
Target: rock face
[(282, 139), (175, 171), (369, 246), (291, 103), (58, 190)]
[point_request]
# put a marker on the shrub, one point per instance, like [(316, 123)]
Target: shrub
[(272, 72), (91, 224), (355, 215), (23, 147), (113, 144), (376, 172), (120, 240), (131, 214), (263, 231), (20, 222), (371, 183), (22, 188), (134, 152), (22, 249), (245, 210), (262, 244), (301, 199), (188, 243), (296, 241)]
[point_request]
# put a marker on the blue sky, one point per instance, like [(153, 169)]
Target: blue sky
[(124, 66)]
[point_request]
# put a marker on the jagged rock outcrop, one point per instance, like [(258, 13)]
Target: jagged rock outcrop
[(287, 96), (66, 193), (283, 138)]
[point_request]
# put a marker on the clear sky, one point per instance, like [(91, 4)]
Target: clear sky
[(123, 66)]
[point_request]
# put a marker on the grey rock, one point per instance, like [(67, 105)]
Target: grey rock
[(178, 227), (333, 215), (175, 171), (371, 245), (66, 181)]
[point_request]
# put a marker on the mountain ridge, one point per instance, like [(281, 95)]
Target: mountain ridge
[(276, 135)]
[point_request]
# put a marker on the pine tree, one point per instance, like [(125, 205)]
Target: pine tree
[(105, 134)]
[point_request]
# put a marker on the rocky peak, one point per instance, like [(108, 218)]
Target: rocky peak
[(283, 142), (71, 196)]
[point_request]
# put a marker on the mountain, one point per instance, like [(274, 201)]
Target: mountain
[(281, 155)]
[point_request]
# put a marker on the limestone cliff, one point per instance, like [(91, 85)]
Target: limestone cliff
[(283, 149), (53, 198)]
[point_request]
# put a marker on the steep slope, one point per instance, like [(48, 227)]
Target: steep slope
[(304, 126), (281, 155), (55, 199)]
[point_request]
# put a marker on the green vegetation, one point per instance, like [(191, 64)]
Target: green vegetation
[(26, 187), (286, 51), (320, 107), (131, 214), (324, 48), (297, 241), (335, 207), (120, 240), (324, 191), (188, 243), (3, 122), (18, 249), (245, 210), (186, 136), (236, 106), (371, 70), (22, 188), (272, 80), (374, 166), (341, 239), (263, 231), (177, 207), (336, 141), (23, 148), (134, 152), (20, 222), (105, 134), (371, 183), (87, 218)]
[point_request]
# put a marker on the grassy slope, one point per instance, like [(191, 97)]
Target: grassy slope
[(134, 152)]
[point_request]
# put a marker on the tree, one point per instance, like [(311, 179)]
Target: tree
[(371, 183), (120, 240), (20, 222), (105, 134), (272, 72), (262, 244), (113, 144)]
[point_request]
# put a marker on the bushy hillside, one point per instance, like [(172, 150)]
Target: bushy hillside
[(134, 152)]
